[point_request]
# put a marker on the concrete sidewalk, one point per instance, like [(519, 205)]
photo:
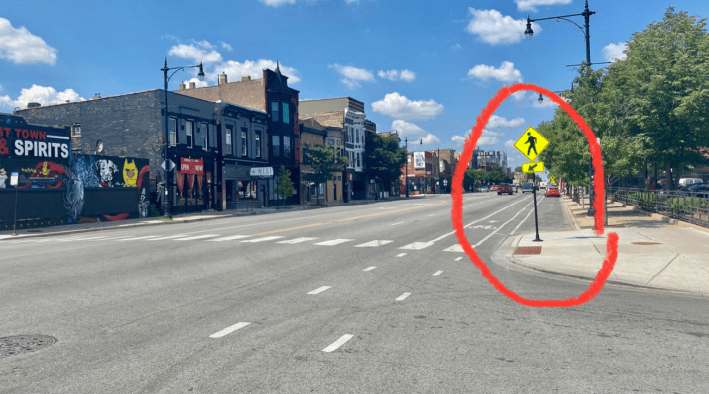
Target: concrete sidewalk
[(652, 252)]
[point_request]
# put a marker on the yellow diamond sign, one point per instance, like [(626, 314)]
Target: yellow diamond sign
[(531, 143), (533, 167)]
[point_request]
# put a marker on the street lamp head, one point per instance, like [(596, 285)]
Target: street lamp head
[(529, 32), (540, 99), (200, 75)]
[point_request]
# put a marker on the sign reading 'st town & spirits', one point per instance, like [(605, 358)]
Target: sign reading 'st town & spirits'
[(20, 140)]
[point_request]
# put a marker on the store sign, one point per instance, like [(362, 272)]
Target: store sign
[(191, 166), (33, 143), (419, 160), (265, 172)]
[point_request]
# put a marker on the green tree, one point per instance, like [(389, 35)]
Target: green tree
[(284, 187), (324, 160), (383, 159), (518, 169)]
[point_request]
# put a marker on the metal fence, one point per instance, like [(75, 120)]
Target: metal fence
[(692, 207)]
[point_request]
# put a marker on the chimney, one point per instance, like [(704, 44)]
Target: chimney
[(222, 78), (182, 86), (245, 78), (193, 85), (96, 96), (33, 105)]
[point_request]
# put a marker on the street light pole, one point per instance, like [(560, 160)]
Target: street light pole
[(168, 185), (528, 33)]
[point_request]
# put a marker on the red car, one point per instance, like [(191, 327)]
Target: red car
[(553, 191), (504, 188)]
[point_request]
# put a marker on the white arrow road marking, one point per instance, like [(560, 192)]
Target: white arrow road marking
[(372, 244), (455, 248), (320, 290), (334, 242), (296, 240), (343, 339), (403, 296), (196, 237), (229, 330), (264, 238), (230, 238), (438, 273), (417, 245), (369, 269)]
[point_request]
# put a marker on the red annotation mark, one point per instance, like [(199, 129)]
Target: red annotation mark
[(457, 196)]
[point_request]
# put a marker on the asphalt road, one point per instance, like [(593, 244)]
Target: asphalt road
[(354, 299)]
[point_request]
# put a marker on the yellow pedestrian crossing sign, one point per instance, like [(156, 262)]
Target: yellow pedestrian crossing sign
[(531, 143), (533, 167), (552, 179)]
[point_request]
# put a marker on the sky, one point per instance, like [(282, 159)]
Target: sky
[(423, 68)]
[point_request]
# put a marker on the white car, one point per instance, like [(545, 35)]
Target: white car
[(484, 189)]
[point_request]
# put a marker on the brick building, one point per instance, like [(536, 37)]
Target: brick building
[(272, 95), (312, 134)]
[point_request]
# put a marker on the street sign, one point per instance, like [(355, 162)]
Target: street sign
[(531, 143), (169, 164), (533, 167), (551, 178), (14, 178)]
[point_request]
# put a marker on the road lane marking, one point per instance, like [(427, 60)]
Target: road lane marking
[(458, 258), (320, 290), (196, 237), (455, 248), (503, 225), (401, 255), (137, 238), (229, 330), (343, 339), (525, 218), (394, 224), (264, 238), (296, 240), (417, 245), (168, 237), (372, 244), (333, 242), (230, 238), (438, 273), (403, 296), (433, 214), (369, 269)]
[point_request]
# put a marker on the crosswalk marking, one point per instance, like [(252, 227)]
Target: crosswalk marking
[(458, 258), (403, 296), (438, 273), (368, 269), (372, 244), (338, 343), (401, 255), (168, 237), (230, 238), (229, 330), (417, 245), (197, 237), (454, 248), (296, 240), (319, 289), (264, 239), (334, 242), (137, 238)]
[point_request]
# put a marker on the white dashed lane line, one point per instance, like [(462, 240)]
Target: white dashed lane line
[(438, 273), (296, 240), (372, 244), (394, 224), (163, 238), (319, 289), (368, 269), (334, 242), (137, 238), (229, 330), (343, 339), (264, 239), (197, 237), (403, 296), (417, 245), (230, 238), (458, 259), (401, 255)]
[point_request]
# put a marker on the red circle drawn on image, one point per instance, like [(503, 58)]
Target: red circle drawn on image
[(598, 185)]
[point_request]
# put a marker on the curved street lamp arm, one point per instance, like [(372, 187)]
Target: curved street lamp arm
[(555, 17), (577, 25)]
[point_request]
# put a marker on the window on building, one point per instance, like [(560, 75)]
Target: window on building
[(76, 130), (286, 146), (188, 132), (357, 136), (203, 132), (244, 149), (172, 127), (229, 131), (276, 146), (286, 113), (257, 144), (274, 111)]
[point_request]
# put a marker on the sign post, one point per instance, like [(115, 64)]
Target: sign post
[(14, 182), (531, 144)]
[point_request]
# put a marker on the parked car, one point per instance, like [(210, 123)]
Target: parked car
[(527, 187), (505, 188), (484, 189), (553, 191), (493, 188), (689, 181)]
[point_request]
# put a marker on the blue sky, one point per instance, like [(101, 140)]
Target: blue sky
[(423, 68)]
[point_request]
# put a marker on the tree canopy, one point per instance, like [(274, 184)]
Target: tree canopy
[(324, 160), (383, 158)]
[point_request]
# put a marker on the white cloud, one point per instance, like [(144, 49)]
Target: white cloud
[(488, 138), (510, 144), (529, 5), (493, 28), (456, 47), (458, 140), (21, 46), (45, 95), (431, 139), (198, 83), (613, 52), (413, 132), (398, 106), (496, 122), (353, 75), (196, 54), (396, 75), (519, 96), (506, 72), (226, 46), (235, 70), (487, 141), (277, 3)]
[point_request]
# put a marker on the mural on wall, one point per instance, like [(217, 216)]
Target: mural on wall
[(33, 173), (106, 169)]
